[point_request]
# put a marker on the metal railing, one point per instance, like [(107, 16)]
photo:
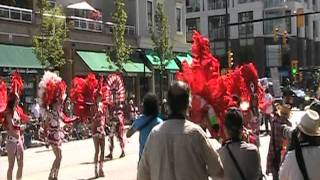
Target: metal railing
[(86, 24), (130, 30), (15, 14)]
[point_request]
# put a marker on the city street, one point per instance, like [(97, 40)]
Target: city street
[(78, 157)]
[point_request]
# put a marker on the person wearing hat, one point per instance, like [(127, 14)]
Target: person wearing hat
[(277, 139), (302, 159)]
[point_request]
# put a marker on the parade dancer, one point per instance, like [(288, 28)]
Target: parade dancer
[(13, 117), (116, 129), (212, 92), (89, 97), (52, 95), (116, 98)]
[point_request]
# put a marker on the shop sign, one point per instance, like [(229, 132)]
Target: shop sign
[(21, 71)]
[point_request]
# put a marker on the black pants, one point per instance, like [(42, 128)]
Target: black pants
[(267, 119)]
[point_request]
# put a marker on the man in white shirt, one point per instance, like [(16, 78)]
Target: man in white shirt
[(302, 160), (178, 149)]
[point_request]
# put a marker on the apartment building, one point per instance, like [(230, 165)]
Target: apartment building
[(255, 42), (89, 39)]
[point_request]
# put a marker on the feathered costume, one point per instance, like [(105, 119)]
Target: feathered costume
[(211, 92), (16, 88), (83, 94), (52, 89), (116, 97)]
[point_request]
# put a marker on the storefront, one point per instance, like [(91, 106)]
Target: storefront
[(23, 60), (101, 64)]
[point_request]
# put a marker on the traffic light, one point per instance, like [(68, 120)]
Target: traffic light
[(285, 38), (275, 32), (230, 59), (294, 67)]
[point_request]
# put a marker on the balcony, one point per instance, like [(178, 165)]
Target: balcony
[(15, 14), (130, 30), (86, 24)]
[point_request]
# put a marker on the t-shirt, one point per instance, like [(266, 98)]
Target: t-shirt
[(144, 133), (248, 158), (178, 150)]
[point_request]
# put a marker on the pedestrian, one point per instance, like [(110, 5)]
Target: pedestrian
[(240, 160), (277, 144), (35, 110), (147, 121), (13, 119), (267, 110), (52, 95), (302, 159), (177, 148)]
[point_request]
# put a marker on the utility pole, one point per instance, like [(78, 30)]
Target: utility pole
[(226, 30)]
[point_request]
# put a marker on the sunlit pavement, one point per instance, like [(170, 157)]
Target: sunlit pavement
[(78, 157)]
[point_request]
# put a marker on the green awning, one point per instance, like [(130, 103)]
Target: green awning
[(185, 57), (97, 62), (172, 66), (18, 57), (133, 67), (155, 61)]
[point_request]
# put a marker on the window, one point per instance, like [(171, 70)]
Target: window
[(192, 24), (282, 24), (216, 4), (273, 3), (315, 34), (216, 27), (193, 6), (179, 19), (246, 1), (150, 13), (245, 30)]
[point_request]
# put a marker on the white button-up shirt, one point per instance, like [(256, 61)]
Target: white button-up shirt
[(289, 169)]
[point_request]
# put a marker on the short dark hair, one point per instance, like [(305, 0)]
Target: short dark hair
[(233, 122), (150, 105), (178, 97)]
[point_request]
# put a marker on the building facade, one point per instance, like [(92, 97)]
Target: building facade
[(90, 37), (255, 42)]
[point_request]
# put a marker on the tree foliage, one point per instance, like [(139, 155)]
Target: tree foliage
[(160, 37), (121, 51), (48, 43)]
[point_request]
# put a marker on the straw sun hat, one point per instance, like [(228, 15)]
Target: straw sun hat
[(310, 123)]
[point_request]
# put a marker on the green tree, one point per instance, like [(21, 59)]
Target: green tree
[(161, 41), (121, 51), (48, 43)]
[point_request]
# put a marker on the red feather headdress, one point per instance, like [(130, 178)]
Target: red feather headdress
[(3, 99), (16, 84), (83, 93)]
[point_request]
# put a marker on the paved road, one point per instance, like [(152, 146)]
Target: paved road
[(78, 157)]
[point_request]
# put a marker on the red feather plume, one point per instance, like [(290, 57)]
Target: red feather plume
[(16, 84)]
